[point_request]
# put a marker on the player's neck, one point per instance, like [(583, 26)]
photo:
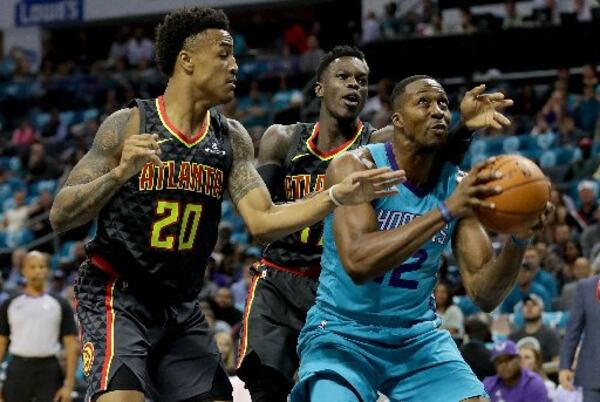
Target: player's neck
[(422, 166), (182, 109), (34, 290), (334, 132)]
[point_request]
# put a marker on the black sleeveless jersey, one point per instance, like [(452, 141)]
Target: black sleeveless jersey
[(160, 228), (304, 170)]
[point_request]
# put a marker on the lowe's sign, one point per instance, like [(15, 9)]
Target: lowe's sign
[(47, 12)]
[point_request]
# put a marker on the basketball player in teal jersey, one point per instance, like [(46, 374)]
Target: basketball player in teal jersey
[(374, 326), (292, 162)]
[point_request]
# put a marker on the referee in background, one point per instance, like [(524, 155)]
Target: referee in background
[(36, 322)]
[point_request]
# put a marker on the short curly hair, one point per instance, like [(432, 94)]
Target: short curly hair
[(400, 88), (336, 52), (178, 26)]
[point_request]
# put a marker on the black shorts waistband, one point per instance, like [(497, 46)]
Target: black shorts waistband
[(310, 272), (33, 359)]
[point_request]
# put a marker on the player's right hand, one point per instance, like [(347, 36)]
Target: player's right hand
[(138, 150), (565, 378), (472, 188)]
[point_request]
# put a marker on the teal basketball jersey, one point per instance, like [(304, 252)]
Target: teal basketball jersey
[(403, 296)]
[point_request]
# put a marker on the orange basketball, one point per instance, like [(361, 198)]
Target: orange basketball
[(526, 192)]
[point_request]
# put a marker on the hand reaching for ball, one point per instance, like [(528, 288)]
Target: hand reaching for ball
[(537, 225), (471, 192)]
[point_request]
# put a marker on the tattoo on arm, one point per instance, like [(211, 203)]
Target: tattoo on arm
[(243, 177), (92, 182)]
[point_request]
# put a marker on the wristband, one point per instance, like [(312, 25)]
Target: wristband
[(445, 212), (332, 198), (518, 243)]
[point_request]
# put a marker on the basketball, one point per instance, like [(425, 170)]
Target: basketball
[(525, 193)]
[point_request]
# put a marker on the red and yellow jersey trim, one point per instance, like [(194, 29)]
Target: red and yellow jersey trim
[(187, 141), (330, 154)]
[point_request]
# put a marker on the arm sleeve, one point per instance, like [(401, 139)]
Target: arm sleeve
[(67, 322), (458, 144), (272, 175), (4, 326)]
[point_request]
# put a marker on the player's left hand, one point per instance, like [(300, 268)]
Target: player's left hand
[(538, 225), (479, 110), (365, 186), (63, 394)]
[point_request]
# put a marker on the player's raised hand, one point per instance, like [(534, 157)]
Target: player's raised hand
[(138, 150), (479, 110), (365, 186), (472, 188)]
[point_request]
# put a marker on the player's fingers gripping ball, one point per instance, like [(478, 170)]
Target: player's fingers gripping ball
[(524, 197)]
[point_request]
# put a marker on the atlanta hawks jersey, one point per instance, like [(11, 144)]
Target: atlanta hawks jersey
[(304, 169), (161, 226)]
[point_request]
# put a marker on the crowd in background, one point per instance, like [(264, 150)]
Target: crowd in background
[(48, 120)]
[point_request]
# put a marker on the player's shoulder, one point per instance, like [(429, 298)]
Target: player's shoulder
[(116, 128), (282, 133), (275, 143)]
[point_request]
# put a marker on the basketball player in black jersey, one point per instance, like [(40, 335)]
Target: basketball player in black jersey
[(155, 178), (292, 162)]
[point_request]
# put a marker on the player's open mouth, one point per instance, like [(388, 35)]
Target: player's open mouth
[(231, 82), (439, 128), (351, 99)]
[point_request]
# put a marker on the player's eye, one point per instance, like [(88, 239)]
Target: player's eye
[(342, 76), (423, 101)]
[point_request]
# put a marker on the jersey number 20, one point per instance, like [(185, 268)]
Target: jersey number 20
[(170, 214)]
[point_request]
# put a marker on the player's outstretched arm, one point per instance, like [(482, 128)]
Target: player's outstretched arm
[(117, 154), (267, 221)]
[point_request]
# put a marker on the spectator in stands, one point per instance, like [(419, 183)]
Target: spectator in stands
[(546, 12), (467, 25), (583, 10), (376, 103), (119, 47), (452, 317), (426, 10), (239, 289), (562, 235), (25, 134), (542, 276), (591, 237), (587, 112), (309, 60), (54, 130), (541, 126), (36, 323), (389, 22), (371, 30), (589, 77), (225, 345), (12, 274), (533, 307), (73, 260), (294, 36), (16, 217), (524, 287), (531, 358), (588, 194), (583, 326), (253, 110), (581, 269), (222, 305), (408, 24), (512, 18), (40, 211), (513, 383), (140, 49), (572, 253), (551, 262), (570, 134), (39, 166), (474, 351), (587, 165), (434, 28)]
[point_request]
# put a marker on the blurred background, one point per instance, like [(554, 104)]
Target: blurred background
[(67, 64)]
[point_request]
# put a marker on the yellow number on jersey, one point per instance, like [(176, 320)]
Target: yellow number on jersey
[(170, 210)]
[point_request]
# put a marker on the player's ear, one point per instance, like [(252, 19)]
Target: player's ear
[(397, 120), (184, 59), (319, 89)]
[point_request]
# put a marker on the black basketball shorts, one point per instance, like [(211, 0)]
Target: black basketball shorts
[(167, 346)]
